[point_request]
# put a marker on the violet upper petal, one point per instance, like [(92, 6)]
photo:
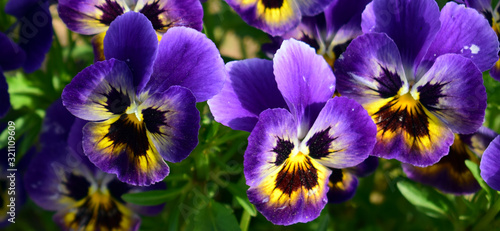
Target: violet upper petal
[(250, 89)]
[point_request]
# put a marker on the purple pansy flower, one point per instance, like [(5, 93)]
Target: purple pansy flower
[(450, 174), (328, 32), (276, 17), (35, 31), (142, 100), (297, 130), (60, 178), (490, 164), (493, 17), (93, 17), (344, 182), (418, 74)]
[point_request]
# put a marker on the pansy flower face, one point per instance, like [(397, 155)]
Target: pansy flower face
[(142, 101), (493, 17), (298, 132), (418, 74), (276, 17), (328, 32), (450, 174), (60, 178), (94, 16)]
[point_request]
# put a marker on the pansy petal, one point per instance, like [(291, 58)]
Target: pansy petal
[(100, 91), (122, 146), (90, 17), (490, 161), (53, 180), (480, 5), (408, 132), (132, 39), (98, 47), (97, 212), (480, 43), (411, 24), (164, 14), (4, 95), (450, 174), (479, 140), (313, 7), (342, 136), (187, 58), (342, 186), (35, 33), (495, 71), (366, 167), (305, 79), (273, 17), (172, 122), (250, 90), (453, 90), (286, 185), (56, 124), (342, 12), (11, 56), (370, 69)]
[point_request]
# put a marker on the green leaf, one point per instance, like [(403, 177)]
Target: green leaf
[(215, 217), (427, 200), (242, 199), (474, 168), (155, 197)]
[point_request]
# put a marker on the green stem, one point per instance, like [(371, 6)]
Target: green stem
[(488, 217), (245, 220)]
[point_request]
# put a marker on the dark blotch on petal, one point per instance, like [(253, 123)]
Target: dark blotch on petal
[(388, 83), (295, 175), (340, 48), (117, 101), (459, 152), (130, 133), (107, 216), (430, 94), (394, 116), (152, 11), (336, 176), (77, 186), (319, 144), (110, 10), (154, 118), (283, 149), (270, 4)]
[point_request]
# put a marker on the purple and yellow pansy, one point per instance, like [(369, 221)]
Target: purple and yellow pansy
[(418, 74), (276, 17), (142, 101), (450, 174), (60, 178), (298, 132), (94, 17), (329, 32)]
